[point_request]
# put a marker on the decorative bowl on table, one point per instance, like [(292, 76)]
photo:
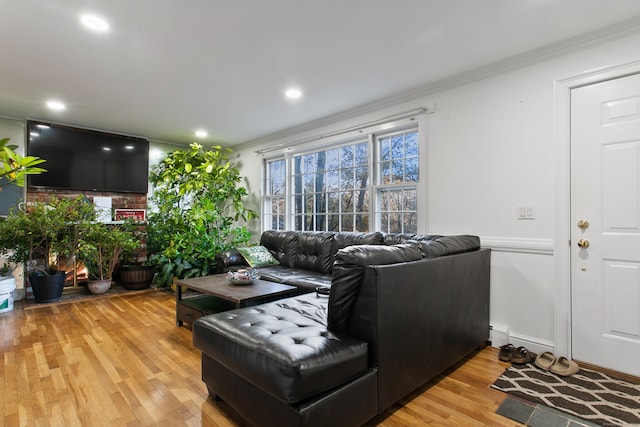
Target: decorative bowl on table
[(242, 277)]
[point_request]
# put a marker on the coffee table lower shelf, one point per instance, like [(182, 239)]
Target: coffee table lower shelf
[(190, 309)]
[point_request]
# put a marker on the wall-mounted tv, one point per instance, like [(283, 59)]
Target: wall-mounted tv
[(88, 160)]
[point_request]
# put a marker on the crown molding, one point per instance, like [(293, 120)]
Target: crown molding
[(603, 35)]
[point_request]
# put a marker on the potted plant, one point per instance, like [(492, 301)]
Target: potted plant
[(37, 234), (101, 248), (135, 272), (195, 208)]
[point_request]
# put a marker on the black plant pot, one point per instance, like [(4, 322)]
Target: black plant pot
[(135, 277), (47, 287)]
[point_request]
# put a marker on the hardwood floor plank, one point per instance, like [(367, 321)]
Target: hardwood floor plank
[(121, 361)]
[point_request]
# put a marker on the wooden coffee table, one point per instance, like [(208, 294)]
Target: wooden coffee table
[(215, 294)]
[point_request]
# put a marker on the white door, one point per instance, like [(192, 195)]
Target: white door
[(605, 216)]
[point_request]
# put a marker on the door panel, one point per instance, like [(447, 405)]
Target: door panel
[(605, 254)]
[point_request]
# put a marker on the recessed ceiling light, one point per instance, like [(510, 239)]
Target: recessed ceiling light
[(55, 105), (201, 133), (106, 148), (41, 126), (34, 134), (293, 93), (94, 22)]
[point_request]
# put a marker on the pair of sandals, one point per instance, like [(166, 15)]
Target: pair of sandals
[(516, 355), (559, 366)]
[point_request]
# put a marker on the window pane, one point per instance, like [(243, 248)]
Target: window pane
[(320, 161), (362, 222), (333, 159), (346, 201), (346, 179), (411, 172), (384, 223), (296, 165), (397, 147), (334, 202), (362, 177), (384, 200), (298, 204), (346, 158), (347, 222), (411, 144), (385, 149), (395, 223), (333, 223), (398, 165), (333, 180), (385, 172), (362, 200), (362, 154), (319, 182), (397, 168), (410, 201)]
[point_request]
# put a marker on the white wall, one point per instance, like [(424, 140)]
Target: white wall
[(492, 147)]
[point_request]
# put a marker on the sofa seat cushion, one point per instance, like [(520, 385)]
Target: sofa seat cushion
[(304, 279), (282, 347)]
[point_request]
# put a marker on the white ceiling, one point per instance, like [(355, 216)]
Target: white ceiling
[(168, 67)]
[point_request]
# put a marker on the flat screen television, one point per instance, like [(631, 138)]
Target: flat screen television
[(88, 160)]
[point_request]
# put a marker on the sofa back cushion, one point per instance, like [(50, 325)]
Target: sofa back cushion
[(348, 238), (313, 251), (281, 244), (348, 270), (433, 246), (396, 238)]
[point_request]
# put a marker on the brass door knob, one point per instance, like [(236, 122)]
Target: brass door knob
[(583, 224), (583, 243)]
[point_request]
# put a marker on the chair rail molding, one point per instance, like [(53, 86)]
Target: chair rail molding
[(518, 244)]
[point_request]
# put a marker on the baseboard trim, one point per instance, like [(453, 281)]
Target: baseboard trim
[(534, 344)]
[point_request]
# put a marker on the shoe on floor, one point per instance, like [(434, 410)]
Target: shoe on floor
[(506, 351), (545, 360), (521, 355), (564, 367)]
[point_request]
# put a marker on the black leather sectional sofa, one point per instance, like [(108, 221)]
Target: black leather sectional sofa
[(401, 309)]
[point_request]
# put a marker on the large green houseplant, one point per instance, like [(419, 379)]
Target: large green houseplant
[(196, 206), (13, 167), (40, 233)]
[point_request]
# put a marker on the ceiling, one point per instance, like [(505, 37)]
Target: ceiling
[(166, 67)]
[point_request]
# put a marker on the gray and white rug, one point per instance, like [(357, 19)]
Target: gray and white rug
[(590, 395)]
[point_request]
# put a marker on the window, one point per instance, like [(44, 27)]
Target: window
[(362, 180), (331, 189), (398, 176), (275, 194)]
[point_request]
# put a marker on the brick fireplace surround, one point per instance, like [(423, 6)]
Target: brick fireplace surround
[(119, 201)]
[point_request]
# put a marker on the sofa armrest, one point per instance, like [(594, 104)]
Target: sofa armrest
[(228, 259)]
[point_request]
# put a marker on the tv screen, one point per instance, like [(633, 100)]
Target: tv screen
[(83, 159)]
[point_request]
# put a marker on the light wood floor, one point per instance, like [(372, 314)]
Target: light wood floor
[(121, 361)]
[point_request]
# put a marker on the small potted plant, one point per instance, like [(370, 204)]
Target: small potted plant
[(37, 234), (101, 248)]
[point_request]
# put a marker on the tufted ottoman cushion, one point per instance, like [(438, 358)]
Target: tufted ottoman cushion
[(282, 347)]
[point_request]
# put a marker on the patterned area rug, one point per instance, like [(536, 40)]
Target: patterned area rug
[(590, 395)]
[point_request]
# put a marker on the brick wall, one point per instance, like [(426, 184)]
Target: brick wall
[(119, 200)]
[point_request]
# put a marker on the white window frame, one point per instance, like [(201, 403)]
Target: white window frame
[(342, 138)]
